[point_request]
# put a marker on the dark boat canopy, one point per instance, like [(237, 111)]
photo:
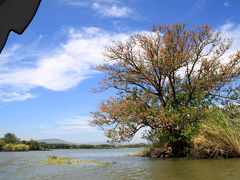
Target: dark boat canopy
[(15, 15)]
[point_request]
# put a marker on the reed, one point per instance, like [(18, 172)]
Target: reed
[(143, 153), (218, 136), (15, 147)]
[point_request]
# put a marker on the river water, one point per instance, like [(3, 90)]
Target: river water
[(27, 165)]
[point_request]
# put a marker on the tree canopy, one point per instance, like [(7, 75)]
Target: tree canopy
[(164, 80), (11, 138)]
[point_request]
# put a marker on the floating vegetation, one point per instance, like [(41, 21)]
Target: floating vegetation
[(74, 162), (140, 154)]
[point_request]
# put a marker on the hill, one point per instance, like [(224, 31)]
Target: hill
[(59, 141)]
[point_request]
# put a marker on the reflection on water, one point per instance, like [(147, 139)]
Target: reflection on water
[(195, 169), (25, 165)]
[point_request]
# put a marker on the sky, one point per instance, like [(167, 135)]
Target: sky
[(47, 73)]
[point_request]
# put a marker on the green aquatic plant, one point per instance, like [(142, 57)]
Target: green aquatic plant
[(75, 162), (52, 157)]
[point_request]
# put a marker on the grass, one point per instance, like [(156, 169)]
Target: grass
[(136, 154), (218, 136)]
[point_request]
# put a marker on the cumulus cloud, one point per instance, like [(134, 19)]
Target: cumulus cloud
[(22, 69)]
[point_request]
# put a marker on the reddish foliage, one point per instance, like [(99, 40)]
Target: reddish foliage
[(162, 76)]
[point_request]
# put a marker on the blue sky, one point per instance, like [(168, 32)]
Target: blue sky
[(46, 74)]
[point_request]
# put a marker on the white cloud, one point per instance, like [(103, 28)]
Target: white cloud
[(14, 96), (112, 10), (231, 30), (65, 66), (107, 8), (23, 68), (226, 4), (76, 3)]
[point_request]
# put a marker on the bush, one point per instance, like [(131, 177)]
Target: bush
[(218, 136)]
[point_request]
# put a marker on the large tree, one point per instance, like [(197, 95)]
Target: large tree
[(11, 138), (164, 80)]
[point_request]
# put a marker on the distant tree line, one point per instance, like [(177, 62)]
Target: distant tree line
[(87, 146), (12, 143)]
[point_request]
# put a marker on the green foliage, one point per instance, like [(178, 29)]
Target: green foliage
[(88, 146), (11, 138), (104, 146), (156, 139), (33, 145), (139, 145), (2, 143)]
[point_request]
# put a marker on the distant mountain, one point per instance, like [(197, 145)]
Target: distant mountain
[(93, 143), (60, 141), (55, 141)]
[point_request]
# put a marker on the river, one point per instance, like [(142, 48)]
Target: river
[(29, 166)]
